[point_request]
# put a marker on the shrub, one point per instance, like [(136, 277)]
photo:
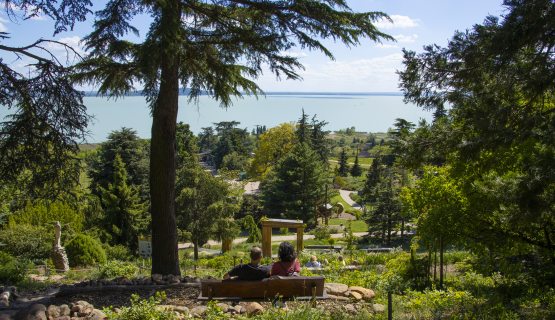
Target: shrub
[(45, 214), (115, 269), (117, 252), (142, 309), (27, 242), (322, 233), (283, 230), (12, 270), (84, 250)]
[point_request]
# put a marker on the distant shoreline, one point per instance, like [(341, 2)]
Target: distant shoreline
[(275, 93)]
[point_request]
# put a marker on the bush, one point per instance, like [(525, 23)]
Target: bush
[(117, 252), (45, 214), (85, 251), (115, 269), (322, 233), (142, 309), (12, 270), (27, 242)]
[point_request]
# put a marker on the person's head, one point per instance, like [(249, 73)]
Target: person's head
[(313, 259), (286, 252), (256, 254)]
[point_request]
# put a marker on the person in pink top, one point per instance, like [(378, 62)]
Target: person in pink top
[(288, 264)]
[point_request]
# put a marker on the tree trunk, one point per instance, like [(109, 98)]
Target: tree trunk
[(435, 261), (165, 259), (389, 306), (441, 262), (195, 250), (402, 228)]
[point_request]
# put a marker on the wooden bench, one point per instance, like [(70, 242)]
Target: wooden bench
[(284, 287)]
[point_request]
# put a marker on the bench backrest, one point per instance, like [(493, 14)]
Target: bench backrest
[(286, 287)]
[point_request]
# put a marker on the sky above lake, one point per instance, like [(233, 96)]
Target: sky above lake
[(369, 67)]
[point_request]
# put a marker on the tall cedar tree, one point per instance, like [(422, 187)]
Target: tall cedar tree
[(356, 170), (213, 46), (46, 118), (126, 215), (343, 165), (133, 152), (297, 186)]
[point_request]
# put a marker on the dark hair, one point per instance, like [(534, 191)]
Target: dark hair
[(286, 252), (256, 253)]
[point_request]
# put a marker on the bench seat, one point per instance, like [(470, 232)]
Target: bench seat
[(285, 287)]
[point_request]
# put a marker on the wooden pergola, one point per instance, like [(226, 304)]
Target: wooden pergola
[(267, 226)]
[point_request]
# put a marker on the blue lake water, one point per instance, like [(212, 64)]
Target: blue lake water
[(366, 112)]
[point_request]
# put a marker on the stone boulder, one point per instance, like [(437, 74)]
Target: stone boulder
[(355, 295), (198, 311), (367, 294), (34, 312), (254, 308), (336, 289), (378, 308)]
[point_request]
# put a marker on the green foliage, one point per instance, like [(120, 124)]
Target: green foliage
[(126, 215), (273, 145), (356, 170), (114, 269), (204, 207), (45, 214), (433, 304), (142, 309), (255, 235), (234, 161), (297, 186), (28, 242), (343, 165), (233, 143), (12, 270), (407, 271), (84, 250), (134, 155), (322, 232), (117, 252)]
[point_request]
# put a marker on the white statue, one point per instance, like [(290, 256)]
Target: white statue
[(59, 256)]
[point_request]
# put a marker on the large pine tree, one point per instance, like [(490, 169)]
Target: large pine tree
[(213, 46), (126, 215), (343, 164)]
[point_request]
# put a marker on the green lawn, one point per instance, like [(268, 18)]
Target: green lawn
[(337, 198), (356, 225)]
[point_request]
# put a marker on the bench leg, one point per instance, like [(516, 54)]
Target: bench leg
[(314, 296)]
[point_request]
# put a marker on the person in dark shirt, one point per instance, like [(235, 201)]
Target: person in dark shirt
[(252, 271)]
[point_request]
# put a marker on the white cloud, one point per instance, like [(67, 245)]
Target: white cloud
[(361, 75), (399, 22), (64, 53), (3, 27), (402, 38), (386, 46), (295, 54)]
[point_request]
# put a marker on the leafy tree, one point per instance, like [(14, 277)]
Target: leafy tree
[(498, 135), (231, 140), (45, 214), (125, 214), (234, 161), (207, 139), (356, 170), (440, 206), (202, 203), (46, 116), (343, 165), (133, 153), (297, 186), (273, 145), (210, 46)]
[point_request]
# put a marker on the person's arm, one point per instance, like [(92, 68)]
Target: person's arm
[(231, 273), (297, 266)]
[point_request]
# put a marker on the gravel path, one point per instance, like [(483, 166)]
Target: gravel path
[(345, 195)]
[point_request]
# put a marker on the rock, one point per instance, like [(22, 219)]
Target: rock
[(63, 318), (337, 298), (355, 295), (198, 311), (96, 315), (223, 306), (157, 278), (173, 279), (81, 308), (350, 308), (64, 310), (337, 289), (254, 308), (239, 309), (181, 309), (367, 294), (34, 312), (53, 311), (378, 308)]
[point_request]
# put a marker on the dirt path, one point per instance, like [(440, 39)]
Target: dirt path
[(345, 195)]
